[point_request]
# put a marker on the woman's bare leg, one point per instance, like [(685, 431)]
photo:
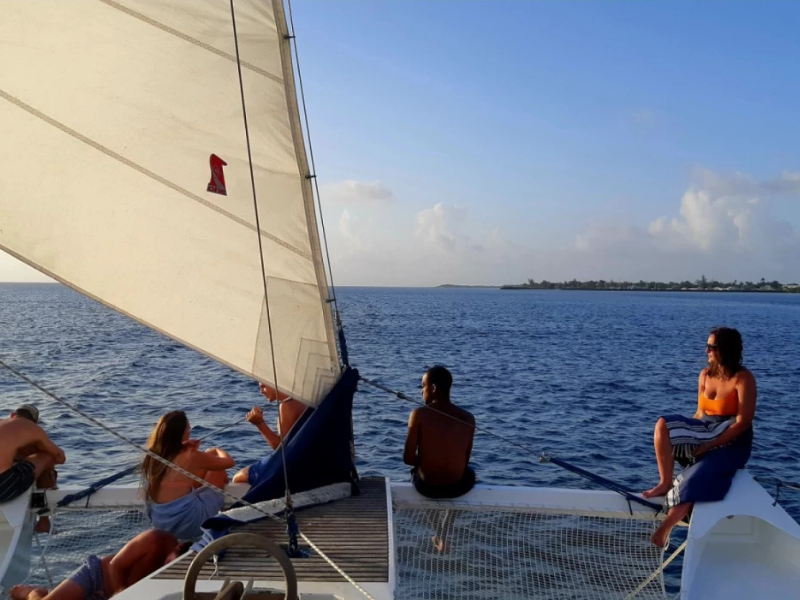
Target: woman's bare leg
[(664, 458), (217, 478), (674, 516)]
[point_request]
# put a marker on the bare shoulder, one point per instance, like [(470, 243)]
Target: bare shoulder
[(703, 374), (466, 415), (294, 407), (746, 376)]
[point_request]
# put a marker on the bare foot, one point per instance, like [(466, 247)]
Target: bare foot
[(442, 547), (42, 525), (661, 489), (23, 592), (660, 537)]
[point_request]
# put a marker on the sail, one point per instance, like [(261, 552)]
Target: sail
[(126, 175)]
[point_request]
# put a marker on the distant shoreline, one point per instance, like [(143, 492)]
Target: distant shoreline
[(671, 290), (457, 285)]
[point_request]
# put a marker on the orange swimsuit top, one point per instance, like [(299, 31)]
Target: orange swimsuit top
[(719, 407)]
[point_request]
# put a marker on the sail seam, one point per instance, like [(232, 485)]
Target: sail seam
[(136, 167), (188, 38)]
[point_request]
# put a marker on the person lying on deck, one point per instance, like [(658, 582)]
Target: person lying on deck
[(289, 410), (715, 442), (105, 577), (176, 503), (27, 455)]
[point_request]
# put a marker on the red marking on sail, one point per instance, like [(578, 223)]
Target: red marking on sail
[(217, 183)]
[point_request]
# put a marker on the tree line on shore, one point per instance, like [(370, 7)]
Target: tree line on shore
[(703, 285)]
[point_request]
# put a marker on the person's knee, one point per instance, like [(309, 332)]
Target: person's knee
[(218, 452), (661, 427)]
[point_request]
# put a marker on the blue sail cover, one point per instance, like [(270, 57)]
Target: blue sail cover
[(318, 451)]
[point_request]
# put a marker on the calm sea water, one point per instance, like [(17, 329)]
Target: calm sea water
[(583, 375)]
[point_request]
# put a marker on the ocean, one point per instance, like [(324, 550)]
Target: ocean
[(580, 375)]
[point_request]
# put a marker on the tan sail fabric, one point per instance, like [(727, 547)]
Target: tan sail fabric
[(110, 112)]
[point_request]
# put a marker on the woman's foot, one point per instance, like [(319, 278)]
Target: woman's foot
[(660, 536), (442, 547), (659, 490), (26, 592)]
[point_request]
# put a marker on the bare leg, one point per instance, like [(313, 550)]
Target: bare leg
[(674, 516), (27, 592), (664, 458), (242, 476), (442, 530), (45, 474), (217, 478), (43, 464)]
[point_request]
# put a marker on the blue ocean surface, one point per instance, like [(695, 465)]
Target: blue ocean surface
[(581, 375)]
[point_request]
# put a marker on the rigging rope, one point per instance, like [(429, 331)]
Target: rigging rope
[(657, 572), (779, 484), (260, 252), (182, 471)]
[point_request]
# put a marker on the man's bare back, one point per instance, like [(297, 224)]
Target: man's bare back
[(20, 439), (444, 443), (440, 434), (27, 456)]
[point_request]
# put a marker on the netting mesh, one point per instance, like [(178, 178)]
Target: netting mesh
[(495, 553), (76, 533), (485, 553)]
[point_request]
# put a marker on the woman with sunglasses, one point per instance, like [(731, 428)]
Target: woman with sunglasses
[(715, 442)]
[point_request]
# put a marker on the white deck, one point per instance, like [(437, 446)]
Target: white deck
[(742, 548)]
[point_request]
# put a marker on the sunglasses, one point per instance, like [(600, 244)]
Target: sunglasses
[(711, 347)]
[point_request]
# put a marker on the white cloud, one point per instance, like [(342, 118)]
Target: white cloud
[(725, 227), (438, 225), (351, 191)]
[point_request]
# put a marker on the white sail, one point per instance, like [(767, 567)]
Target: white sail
[(126, 174)]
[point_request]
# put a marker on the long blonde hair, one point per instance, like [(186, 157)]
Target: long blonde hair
[(167, 442)]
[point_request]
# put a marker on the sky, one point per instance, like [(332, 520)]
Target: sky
[(481, 142)]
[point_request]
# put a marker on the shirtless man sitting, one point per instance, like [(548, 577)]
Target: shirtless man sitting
[(439, 441), (289, 410), (439, 445), (27, 455), (105, 577)]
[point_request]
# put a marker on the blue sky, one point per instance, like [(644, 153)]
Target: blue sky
[(489, 142)]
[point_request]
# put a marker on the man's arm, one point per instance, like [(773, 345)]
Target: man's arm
[(42, 442), (412, 439), (471, 437), (256, 417)]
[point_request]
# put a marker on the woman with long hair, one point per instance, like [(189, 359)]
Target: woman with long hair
[(175, 502), (714, 443)]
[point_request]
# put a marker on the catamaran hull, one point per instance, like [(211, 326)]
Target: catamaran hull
[(737, 549)]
